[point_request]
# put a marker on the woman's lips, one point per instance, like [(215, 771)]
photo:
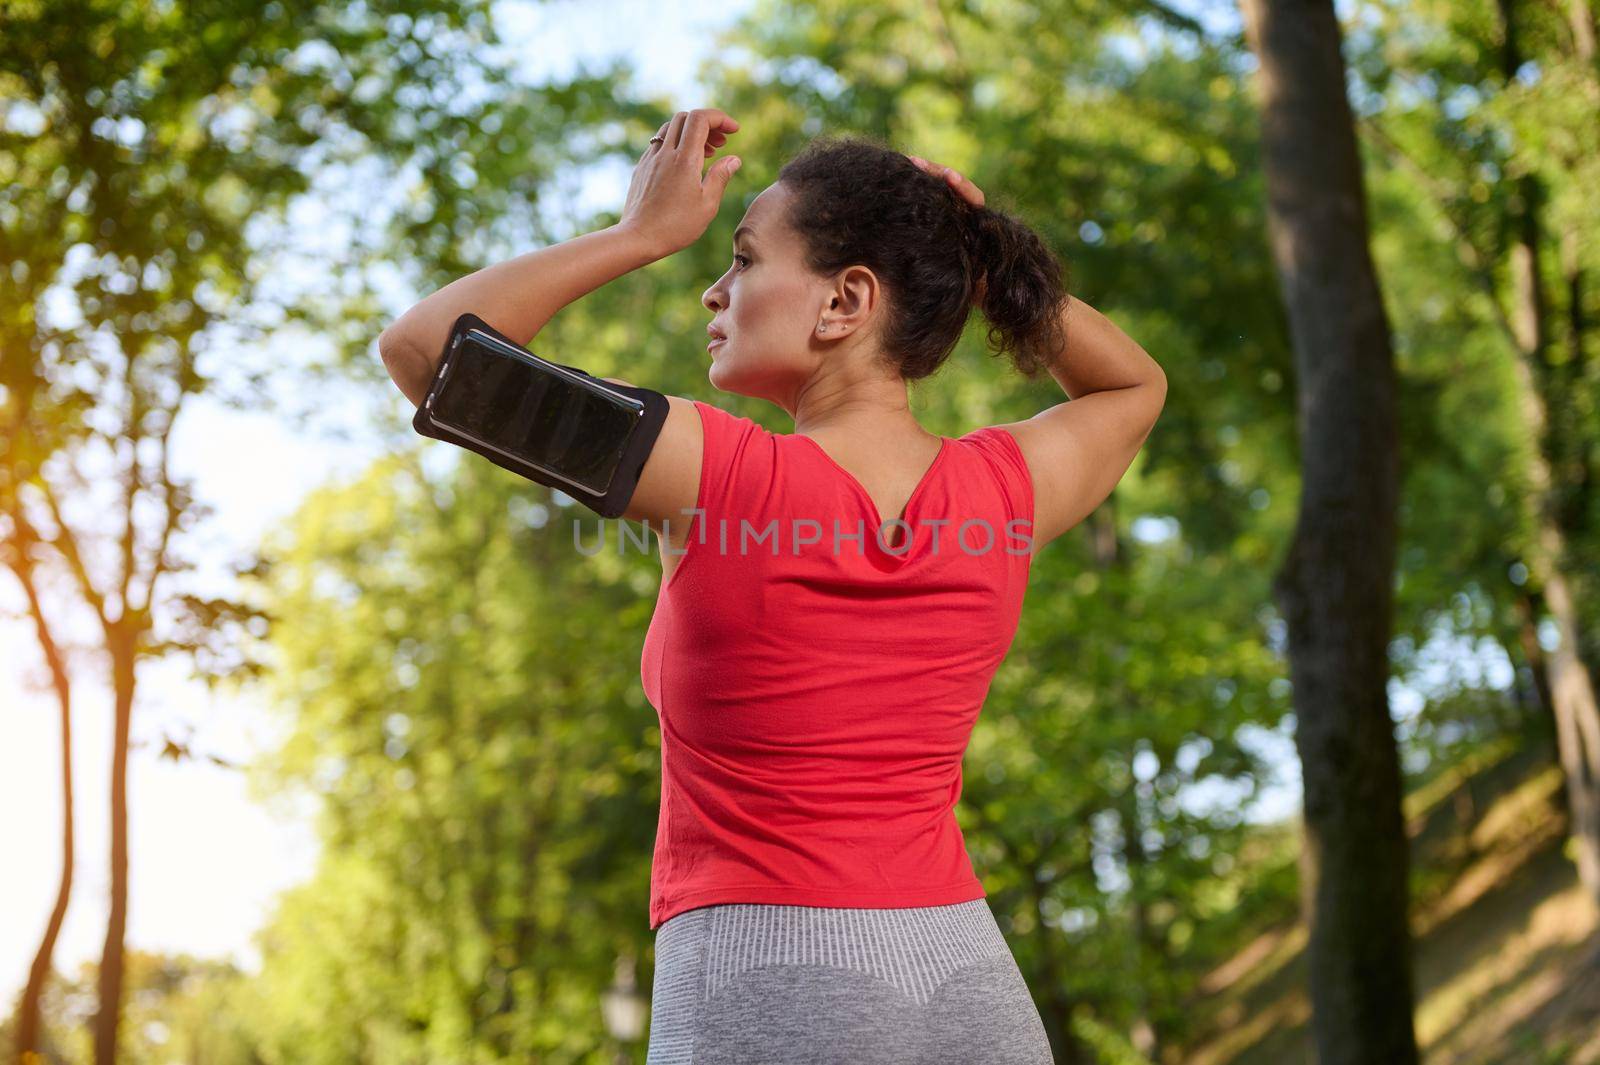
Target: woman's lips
[(715, 341)]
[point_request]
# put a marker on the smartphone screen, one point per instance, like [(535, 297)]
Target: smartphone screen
[(551, 418)]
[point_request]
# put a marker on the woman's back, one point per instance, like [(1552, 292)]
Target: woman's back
[(817, 685)]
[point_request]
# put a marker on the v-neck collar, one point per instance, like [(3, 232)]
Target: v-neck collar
[(878, 520)]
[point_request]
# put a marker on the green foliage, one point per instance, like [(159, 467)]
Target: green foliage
[(1109, 1046), (458, 682), (1108, 775), (463, 699)]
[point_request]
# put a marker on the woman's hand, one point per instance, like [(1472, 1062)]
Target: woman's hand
[(966, 188), (668, 202)]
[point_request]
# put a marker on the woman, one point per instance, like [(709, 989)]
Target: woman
[(834, 600)]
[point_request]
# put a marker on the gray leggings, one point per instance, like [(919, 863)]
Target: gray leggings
[(758, 984)]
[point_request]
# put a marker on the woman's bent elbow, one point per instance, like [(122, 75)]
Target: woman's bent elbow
[(406, 365)]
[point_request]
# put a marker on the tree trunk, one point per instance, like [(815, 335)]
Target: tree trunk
[(1336, 585), (1528, 610), (122, 640), (1581, 19), (1572, 691), (1142, 1033), (27, 1041), (1577, 514)]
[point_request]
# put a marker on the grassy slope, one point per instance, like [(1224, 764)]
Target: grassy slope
[(1504, 937)]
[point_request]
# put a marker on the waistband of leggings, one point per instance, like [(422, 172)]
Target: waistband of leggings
[(912, 948)]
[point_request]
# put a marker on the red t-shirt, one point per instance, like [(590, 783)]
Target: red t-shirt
[(816, 695)]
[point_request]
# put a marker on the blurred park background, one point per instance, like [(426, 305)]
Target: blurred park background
[(361, 769)]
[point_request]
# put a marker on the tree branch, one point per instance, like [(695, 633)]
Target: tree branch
[(66, 543)]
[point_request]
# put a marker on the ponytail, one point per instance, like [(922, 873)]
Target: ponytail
[(1019, 285)]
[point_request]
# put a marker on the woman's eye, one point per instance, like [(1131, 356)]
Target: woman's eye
[(744, 258)]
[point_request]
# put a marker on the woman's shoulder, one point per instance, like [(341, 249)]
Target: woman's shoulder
[(698, 441), (1001, 454)]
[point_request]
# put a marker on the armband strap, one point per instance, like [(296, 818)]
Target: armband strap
[(641, 441)]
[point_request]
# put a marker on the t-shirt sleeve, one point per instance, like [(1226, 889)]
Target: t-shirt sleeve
[(729, 460), (1010, 469)]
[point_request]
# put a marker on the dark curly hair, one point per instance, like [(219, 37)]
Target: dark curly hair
[(857, 201)]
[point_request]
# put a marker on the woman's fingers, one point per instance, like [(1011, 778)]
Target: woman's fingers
[(711, 125), (965, 187), (653, 143), (714, 140), (675, 130), (970, 192), (696, 127)]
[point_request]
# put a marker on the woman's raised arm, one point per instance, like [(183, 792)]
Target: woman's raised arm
[(517, 297), (669, 205), (1077, 451)]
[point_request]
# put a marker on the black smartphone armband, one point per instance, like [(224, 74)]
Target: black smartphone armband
[(634, 443)]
